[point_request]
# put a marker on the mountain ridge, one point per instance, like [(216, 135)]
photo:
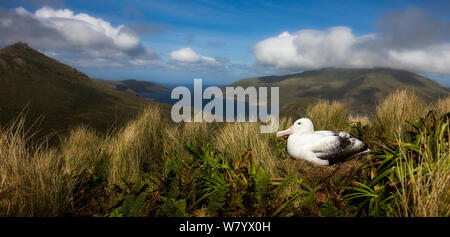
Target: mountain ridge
[(62, 95), (360, 89)]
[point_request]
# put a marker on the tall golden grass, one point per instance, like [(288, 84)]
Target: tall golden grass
[(30, 174), (236, 138), (40, 181), (137, 147), (36, 180), (442, 106), (328, 115), (395, 109)]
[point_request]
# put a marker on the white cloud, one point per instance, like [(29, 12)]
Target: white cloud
[(339, 47), (187, 59), (87, 40), (82, 29), (189, 56)]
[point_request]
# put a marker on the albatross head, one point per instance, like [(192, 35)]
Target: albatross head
[(303, 125)]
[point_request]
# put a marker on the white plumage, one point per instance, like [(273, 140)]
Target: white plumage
[(320, 147)]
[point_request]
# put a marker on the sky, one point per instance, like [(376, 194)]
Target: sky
[(173, 42)]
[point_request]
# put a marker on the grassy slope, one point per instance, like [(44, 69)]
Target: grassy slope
[(360, 89), (63, 95), (154, 168)]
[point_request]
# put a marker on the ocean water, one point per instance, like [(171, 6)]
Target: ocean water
[(164, 97)]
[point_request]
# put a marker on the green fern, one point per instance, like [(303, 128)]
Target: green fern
[(172, 208)]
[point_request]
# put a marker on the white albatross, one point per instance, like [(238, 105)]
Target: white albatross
[(320, 147)]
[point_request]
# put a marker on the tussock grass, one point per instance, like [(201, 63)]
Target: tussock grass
[(42, 181), (30, 174), (137, 147), (81, 149), (424, 194), (407, 175), (236, 138), (398, 107), (328, 115), (425, 178), (442, 106), (197, 131), (362, 119)]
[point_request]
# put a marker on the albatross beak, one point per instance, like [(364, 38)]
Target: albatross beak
[(288, 131)]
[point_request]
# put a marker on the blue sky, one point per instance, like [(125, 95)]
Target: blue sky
[(230, 40)]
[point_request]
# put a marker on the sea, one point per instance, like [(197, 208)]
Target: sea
[(165, 97)]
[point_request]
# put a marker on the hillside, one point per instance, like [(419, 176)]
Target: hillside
[(360, 89), (61, 94), (133, 86)]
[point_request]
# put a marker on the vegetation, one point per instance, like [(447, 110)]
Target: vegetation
[(409, 175), (153, 167), (60, 95), (398, 107)]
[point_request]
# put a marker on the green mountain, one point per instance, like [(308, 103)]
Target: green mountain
[(133, 86), (360, 89), (60, 95)]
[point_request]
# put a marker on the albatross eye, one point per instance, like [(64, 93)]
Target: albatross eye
[(299, 123)]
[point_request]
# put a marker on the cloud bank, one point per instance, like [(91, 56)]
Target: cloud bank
[(409, 39), (78, 38)]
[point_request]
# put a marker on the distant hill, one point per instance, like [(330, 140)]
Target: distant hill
[(360, 89), (65, 96), (133, 86)]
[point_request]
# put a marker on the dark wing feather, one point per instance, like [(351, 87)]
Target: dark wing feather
[(344, 148)]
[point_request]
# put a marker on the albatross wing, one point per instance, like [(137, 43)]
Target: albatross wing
[(337, 147)]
